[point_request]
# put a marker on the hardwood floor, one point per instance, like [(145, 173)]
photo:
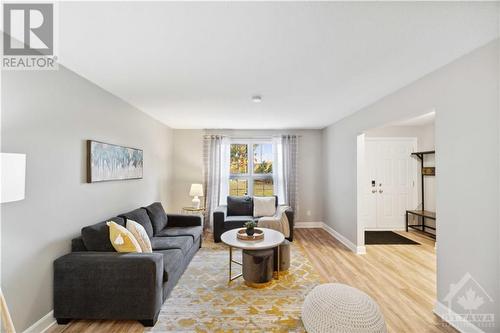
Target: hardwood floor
[(401, 278)]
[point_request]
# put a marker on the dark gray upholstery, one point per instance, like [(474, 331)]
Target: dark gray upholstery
[(239, 206), (96, 237), (241, 218), (108, 285), (194, 232), (219, 218), (224, 221), (175, 276), (183, 243), (140, 215), (171, 260), (77, 245), (180, 220), (233, 222), (104, 284), (157, 216)]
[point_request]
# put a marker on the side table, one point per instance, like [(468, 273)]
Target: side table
[(194, 211)]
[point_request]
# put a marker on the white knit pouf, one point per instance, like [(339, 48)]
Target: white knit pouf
[(335, 307)]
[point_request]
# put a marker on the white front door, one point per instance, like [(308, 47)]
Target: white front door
[(390, 167), (370, 186)]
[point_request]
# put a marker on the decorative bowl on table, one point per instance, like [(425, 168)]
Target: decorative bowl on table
[(242, 235)]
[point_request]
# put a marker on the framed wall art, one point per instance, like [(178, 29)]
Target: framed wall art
[(106, 162)]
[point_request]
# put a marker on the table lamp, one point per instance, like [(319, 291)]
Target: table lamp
[(12, 184), (196, 191)]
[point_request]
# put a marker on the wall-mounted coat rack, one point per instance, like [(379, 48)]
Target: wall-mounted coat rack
[(424, 214)]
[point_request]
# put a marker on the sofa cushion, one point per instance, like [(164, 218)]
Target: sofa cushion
[(239, 206), (96, 237), (140, 216), (172, 261), (233, 222), (157, 216), (194, 232), (183, 243), (240, 218)]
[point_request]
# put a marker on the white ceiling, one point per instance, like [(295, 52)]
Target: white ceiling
[(197, 64)]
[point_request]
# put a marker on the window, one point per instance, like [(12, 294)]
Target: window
[(239, 159), (238, 187), (251, 169), (263, 187)]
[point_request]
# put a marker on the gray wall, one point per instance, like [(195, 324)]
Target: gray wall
[(188, 169), (48, 115), (423, 133), (466, 99)]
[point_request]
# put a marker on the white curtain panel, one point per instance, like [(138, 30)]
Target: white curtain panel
[(278, 176), (215, 174), (224, 170), (290, 154)]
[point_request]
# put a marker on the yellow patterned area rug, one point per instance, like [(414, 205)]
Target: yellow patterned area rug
[(203, 301)]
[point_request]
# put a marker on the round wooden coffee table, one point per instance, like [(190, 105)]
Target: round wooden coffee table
[(272, 239)]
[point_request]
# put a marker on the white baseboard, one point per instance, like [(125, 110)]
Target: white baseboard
[(350, 245), (42, 325), (461, 325), (308, 225), (385, 229), (360, 249)]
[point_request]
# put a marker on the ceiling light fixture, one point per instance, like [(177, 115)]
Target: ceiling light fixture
[(256, 98)]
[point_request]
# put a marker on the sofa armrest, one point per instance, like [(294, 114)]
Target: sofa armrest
[(219, 217), (104, 285), (290, 216), (77, 245), (184, 220)]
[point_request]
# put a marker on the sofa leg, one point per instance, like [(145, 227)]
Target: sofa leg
[(63, 321), (150, 322)]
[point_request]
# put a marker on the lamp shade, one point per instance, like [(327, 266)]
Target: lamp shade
[(196, 190), (13, 176)]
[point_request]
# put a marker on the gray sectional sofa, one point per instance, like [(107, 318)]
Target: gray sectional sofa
[(96, 282)]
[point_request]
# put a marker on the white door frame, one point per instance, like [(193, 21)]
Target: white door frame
[(360, 170)]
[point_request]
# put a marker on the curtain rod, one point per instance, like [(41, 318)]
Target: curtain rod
[(251, 137)]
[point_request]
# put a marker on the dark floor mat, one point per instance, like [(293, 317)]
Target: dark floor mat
[(386, 237)]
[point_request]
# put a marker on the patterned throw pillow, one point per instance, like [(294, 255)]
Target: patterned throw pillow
[(122, 239), (140, 235)]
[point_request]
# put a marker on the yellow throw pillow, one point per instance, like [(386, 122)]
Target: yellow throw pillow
[(122, 239), (140, 235)]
